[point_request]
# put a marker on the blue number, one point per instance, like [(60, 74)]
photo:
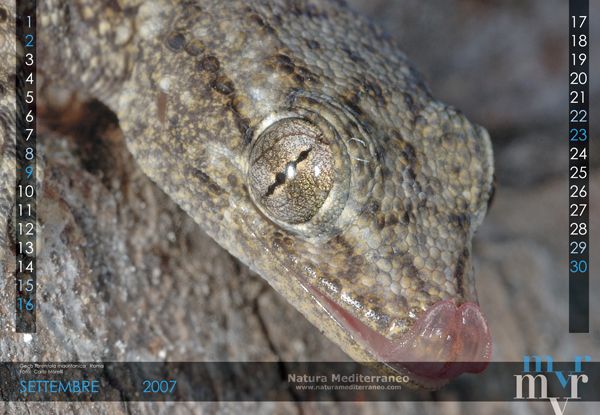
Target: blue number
[(578, 134), (578, 266), (159, 386), (29, 171), (29, 44), (28, 304)]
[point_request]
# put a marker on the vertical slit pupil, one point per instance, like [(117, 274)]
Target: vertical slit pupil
[(281, 176)]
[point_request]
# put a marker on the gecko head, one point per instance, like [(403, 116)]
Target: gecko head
[(324, 163), (381, 241)]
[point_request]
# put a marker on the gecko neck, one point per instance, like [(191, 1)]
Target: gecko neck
[(89, 45)]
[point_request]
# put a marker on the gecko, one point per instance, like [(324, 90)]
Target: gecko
[(302, 140)]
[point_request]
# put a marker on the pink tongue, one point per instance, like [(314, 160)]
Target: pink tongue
[(444, 342), (452, 340)]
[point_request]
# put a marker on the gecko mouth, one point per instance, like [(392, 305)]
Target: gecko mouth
[(444, 342)]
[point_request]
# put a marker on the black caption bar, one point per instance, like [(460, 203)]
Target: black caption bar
[(534, 379), (579, 166), (25, 224)]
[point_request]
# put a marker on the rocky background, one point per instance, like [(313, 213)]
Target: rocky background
[(125, 275)]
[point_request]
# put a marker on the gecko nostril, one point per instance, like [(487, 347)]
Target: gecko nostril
[(175, 41)]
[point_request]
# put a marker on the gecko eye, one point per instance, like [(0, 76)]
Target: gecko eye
[(292, 170), (308, 169)]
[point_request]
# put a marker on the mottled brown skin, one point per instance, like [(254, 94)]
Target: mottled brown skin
[(196, 83)]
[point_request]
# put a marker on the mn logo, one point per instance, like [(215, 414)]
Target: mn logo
[(569, 382)]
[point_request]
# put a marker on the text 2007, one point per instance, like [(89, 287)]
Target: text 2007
[(159, 386)]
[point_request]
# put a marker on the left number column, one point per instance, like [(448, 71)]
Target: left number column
[(26, 192)]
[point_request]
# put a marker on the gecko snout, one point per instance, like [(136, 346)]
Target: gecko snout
[(445, 341)]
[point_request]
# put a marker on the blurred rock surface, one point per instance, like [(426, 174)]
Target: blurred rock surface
[(124, 276)]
